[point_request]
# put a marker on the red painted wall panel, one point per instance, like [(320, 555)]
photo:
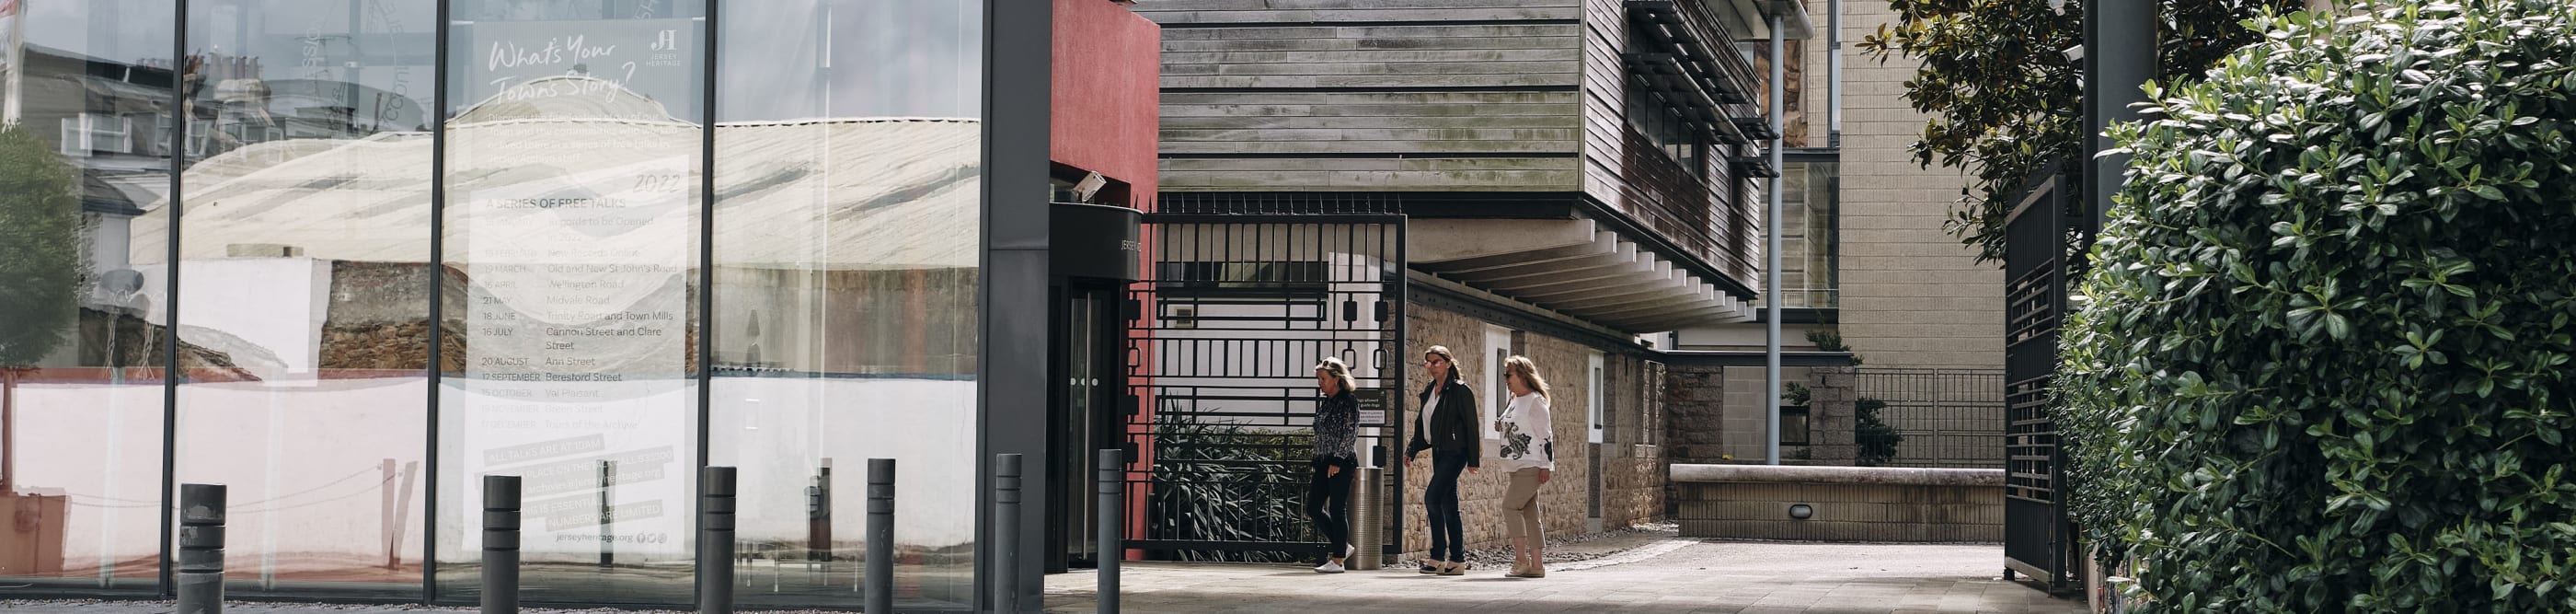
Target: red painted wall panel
[(1107, 87)]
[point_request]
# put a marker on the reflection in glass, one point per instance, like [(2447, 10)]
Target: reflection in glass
[(82, 341), (304, 279), (1808, 234), (846, 238), (571, 233)]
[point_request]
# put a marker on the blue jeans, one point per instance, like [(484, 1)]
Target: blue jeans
[(1448, 530)]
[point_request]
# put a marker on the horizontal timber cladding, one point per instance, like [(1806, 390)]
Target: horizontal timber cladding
[(1371, 95), (1382, 174), (1175, 14), (1605, 103)]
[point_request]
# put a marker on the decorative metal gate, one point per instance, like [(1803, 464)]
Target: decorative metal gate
[(1224, 332), (2038, 540)]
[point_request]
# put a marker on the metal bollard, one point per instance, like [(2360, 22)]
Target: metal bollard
[(201, 549), (607, 517), (500, 544), (1006, 533), (1113, 524), (715, 539), (880, 570), (1367, 520)]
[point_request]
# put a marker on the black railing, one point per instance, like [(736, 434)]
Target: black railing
[(1945, 417)]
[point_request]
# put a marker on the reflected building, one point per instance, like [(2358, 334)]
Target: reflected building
[(621, 240)]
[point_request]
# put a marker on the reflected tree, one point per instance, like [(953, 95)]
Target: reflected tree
[(40, 268)]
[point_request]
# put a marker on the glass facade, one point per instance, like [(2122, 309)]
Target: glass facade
[(418, 243), (1809, 233)]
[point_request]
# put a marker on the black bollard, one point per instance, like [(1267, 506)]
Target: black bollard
[(880, 571), (715, 540), (607, 517), (1113, 529), (1006, 533), (500, 544), (201, 549)]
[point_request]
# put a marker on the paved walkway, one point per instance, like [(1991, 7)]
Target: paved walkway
[(1669, 577), (1647, 575)]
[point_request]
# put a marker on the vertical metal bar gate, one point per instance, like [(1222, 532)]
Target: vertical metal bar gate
[(1238, 305)]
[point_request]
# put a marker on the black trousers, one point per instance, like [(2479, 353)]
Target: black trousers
[(1440, 500), (1328, 503)]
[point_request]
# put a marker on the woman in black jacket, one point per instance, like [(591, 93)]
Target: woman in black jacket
[(1446, 427)]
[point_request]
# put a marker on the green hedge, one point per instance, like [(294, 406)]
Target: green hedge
[(2321, 361)]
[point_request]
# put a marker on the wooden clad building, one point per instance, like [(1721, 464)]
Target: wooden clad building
[(1578, 178)]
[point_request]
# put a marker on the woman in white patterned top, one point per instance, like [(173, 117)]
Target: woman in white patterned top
[(1529, 454)]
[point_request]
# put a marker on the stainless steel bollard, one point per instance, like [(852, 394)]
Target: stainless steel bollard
[(880, 566), (201, 549), (1368, 520), (1006, 533), (1113, 524), (500, 544), (715, 539)]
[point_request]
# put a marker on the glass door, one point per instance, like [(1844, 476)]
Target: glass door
[(1089, 337)]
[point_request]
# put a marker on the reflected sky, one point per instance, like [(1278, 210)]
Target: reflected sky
[(856, 58)]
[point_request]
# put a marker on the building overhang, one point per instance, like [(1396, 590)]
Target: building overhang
[(1752, 18), (1571, 266)]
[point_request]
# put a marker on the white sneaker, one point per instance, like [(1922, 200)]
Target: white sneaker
[(1329, 567)]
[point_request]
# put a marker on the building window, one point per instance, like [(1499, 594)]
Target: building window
[(89, 133), (1650, 115), (1809, 236)]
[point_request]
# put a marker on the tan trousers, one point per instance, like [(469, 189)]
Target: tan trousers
[(1520, 504)]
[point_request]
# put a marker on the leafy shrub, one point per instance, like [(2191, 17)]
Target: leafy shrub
[(2321, 360), (1875, 439), (1221, 482)]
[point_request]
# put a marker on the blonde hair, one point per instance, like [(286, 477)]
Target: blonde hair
[(1528, 372), (1341, 374)]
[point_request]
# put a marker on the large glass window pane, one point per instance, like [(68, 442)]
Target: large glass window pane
[(1809, 248), (571, 231), (83, 291), (304, 288), (847, 177)]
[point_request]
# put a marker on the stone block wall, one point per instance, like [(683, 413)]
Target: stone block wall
[(1831, 416), (1695, 414), (1632, 485), (1847, 504)]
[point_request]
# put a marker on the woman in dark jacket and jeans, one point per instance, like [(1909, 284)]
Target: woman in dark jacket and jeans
[(1337, 425), (1446, 427)]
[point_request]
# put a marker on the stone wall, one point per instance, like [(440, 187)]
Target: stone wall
[(1717, 416), (1830, 416), (1632, 484), (1632, 479), (1844, 503), (1695, 414)]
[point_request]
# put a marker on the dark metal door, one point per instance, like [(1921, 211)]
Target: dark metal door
[(2037, 537), (1223, 337)]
